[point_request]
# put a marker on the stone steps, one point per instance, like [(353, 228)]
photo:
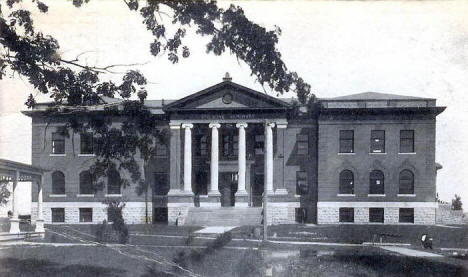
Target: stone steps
[(221, 216)]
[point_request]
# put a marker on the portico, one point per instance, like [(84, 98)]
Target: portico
[(15, 172), (222, 144)]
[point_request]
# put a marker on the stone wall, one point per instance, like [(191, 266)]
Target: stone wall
[(282, 212), (133, 212), (445, 215), (424, 213), (177, 212)]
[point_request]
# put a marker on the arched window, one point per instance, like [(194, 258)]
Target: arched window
[(406, 182), (376, 182), (346, 182), (86, 183), (113, 182), (58, 182)]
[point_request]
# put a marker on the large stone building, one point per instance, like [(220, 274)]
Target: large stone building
[(361, 158)]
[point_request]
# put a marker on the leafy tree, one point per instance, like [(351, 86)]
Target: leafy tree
[(457, 203), (75, 86), (4, 192)]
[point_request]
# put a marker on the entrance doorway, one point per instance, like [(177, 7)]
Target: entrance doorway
[(257, 191), (228, 188)]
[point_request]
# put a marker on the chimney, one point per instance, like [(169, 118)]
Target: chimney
[(227, 77)]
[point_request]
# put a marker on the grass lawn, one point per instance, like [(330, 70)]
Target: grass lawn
[(149, 261)]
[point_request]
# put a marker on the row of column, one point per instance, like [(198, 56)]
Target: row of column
[(214, 166), (14, 221)]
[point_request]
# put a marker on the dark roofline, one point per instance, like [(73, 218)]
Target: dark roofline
[(219, 85), (379, 111)]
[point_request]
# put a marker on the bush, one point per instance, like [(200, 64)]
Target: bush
[(457, 203), (118, 230)]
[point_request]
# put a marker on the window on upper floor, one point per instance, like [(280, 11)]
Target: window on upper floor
[(376, 182), (113, 182), (346, 182), (230, 145), (346, 214), (301, 183), (406, 182), (58, 143), (58, 182), (406, 141), (160, 149), (406, 215), (259, 144), (346, 141), (58, 215), (201, 145), (302, 141), (86, 143), (86, 183), (161, 184), (377, 143)]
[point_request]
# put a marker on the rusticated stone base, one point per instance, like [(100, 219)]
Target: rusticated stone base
[(281, 212)]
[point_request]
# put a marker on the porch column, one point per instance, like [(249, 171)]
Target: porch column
[(214, 170), (268, 175), (188, 158), (40, 216), (14, 221), (241, 189)]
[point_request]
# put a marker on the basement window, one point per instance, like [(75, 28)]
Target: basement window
[(406, 215), (346, 214), (58, 215), (86, 214), (376, 215)]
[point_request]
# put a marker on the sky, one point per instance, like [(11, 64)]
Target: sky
[(415, 48)]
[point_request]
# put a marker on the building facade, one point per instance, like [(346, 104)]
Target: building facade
[(361, 158)]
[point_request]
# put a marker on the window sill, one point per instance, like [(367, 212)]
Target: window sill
[(345, 195), (86, 155), (406, 195), (57, 195), (378, 153), (57, 155), (409, 153), (85, 195), (344, 154), (113, 195), (376, 195)]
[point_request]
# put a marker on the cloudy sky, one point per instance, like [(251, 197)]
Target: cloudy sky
[(416, 48)]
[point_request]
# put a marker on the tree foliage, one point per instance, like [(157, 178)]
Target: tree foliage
[(457, 203), (4, 193), (75, 86)]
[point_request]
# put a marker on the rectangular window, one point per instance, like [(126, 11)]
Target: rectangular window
[(58, 215), (259, 144), (86, 214), (346, 141), (346, 214), (302, 144), (377, 141), (58, 143), (230, 146), (376, 215), (406, 141), (301, 183), (86, 143), (161, 149), (406, 215), (161, 184)]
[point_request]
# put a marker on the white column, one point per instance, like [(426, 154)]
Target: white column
[(188, 158), (214, 169), (241, 189), (14, 221), (40, 216), (268, 174)]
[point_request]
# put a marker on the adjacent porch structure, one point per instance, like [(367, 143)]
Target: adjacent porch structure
[(11, 171)]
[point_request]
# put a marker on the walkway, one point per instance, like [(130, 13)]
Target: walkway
[(410, 252)]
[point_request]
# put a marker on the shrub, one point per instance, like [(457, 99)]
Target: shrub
[(457, 203), (118, 230)]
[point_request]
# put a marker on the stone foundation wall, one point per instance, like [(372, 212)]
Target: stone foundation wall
[(424, 212), (133, 212), (177, 212), (445, 215), (282, 212)]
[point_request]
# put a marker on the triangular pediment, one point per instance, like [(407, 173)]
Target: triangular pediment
[(227, 96)]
